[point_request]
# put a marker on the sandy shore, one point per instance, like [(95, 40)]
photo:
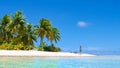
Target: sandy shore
[(40, 53)]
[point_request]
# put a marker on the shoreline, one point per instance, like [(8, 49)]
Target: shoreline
[(33, 53)]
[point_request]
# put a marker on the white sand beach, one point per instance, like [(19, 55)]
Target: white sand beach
[(33, 53)]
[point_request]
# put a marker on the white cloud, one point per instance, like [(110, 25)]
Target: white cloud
[(82, 24)]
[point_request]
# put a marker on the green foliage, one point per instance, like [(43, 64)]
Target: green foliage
[(40, 49), (19, 47), (43, 30), (55, 35), (17, 34), (6, 46), (11, 46), (44, 44), (52, 48), (15, 29)]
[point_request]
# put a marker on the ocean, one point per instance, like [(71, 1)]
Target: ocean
[(60, 62)]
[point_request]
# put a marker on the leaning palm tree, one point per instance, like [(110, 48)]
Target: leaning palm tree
[(55, 35), (44, 29)]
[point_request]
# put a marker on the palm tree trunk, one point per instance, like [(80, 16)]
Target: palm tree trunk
[(4, 35), (41, 42)]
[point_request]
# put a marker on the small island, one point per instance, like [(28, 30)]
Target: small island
[(17, 35)]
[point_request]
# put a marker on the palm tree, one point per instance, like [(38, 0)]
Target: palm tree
[(44, 29), (1, 34), (18, 26), (3, 28), (29, 37), (16, 29), (55, 35)]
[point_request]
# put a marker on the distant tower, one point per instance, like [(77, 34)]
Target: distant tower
[(80, 49)]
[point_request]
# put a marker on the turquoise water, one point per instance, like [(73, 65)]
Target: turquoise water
[(40, 62)]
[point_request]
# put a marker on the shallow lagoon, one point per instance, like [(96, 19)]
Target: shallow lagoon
[(60, 62)]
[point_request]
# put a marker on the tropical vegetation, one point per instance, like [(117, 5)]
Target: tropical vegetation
[(18, 34)]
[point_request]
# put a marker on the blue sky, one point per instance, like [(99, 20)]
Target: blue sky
[(93, 24)]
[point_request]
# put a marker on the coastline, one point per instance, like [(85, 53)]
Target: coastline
[(32, 53)]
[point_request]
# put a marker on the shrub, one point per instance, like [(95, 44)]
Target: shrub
[(11, 46), (40, 49), (26, 47), (6, 46), (52, 48), (19, 47)]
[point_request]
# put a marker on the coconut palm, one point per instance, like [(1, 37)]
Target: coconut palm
[(29, 37), (3, 30), (44, 29), (18, 26), (15, 29), (55, 35), (1, 33)]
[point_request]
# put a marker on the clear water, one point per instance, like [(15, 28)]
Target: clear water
[(40, 62)]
